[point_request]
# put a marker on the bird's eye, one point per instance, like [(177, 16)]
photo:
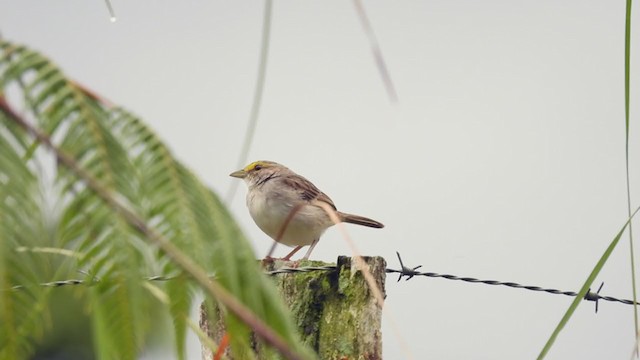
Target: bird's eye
[(257, 167)]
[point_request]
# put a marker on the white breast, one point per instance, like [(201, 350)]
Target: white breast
[(270, 213)]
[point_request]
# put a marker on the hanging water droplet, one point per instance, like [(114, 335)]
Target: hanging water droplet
[(112, 14)]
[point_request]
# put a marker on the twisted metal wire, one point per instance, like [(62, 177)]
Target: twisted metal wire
[(405, 272), (292, 270), (589, 296)]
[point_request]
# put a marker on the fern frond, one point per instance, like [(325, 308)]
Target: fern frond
[(130, 163), (180, 299), (20, 224)]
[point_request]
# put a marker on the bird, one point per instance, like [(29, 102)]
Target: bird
[(289, 208)]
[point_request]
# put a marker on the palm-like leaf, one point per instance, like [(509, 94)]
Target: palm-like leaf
[(19, 226), (134, 167)]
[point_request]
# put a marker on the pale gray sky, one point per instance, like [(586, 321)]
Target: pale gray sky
[(504, 158)]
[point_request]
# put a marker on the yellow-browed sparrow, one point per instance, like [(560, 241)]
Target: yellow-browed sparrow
[(287, 207)]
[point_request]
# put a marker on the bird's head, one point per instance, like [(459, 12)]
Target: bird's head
[(258, 171)]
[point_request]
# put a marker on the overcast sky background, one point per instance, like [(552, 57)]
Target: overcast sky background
[(503, 159)]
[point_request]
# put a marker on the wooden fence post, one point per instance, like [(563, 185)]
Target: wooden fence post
[(335, 312)]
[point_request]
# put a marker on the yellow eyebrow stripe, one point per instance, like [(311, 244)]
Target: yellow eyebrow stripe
[(254, 164)]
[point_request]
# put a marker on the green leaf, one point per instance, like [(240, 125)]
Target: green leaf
[(123, 157), (584, 289), (21, 223)]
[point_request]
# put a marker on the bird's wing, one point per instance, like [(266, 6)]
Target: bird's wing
[(307, 190)]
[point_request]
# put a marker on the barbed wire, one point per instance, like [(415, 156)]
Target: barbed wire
[(293, 270), (589, 296), (405, 272)]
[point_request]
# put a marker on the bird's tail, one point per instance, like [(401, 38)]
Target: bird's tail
[(360, 220)]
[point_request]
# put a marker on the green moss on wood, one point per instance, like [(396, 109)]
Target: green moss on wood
[(334, 310)]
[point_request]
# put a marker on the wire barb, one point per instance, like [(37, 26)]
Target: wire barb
[(594, 297), (408, 272)]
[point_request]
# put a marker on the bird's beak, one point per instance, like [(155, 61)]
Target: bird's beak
[(240, 174)]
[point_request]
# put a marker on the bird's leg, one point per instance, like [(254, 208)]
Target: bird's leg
[(297, 248), (289, 255), (313, 244)]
